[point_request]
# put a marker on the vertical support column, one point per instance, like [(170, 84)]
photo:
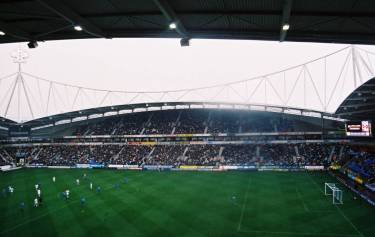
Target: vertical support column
[(265, 91), (26, 95), (284, 94), (322, 125), (304, 86), (11, 96), (49, 94), (354, 67), (325, 84)]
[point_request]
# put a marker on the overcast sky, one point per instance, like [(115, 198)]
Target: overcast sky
[(159, 64)]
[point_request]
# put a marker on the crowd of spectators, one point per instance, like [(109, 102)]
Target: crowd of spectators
[(192, 121), (265, 123), (60, 155), (132, 155), (130, 124), (362, 163), (104, 127), (223, 122), (4, 158), (4, 161), (11, 155), (161, 122), (316, 154), (167, 155), (281, 155), (202, 155), (69, 155), (238, 154)]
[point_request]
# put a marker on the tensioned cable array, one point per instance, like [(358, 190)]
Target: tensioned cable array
[(194, 88), (319, 84)]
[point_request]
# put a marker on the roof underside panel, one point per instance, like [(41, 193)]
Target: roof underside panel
[(360, 104), (339, 21)]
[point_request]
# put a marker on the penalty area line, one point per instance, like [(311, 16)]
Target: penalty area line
[(244, 205), (305, 206), (303, 202), (338, 208)]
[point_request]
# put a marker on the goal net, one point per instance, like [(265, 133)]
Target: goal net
[(330, 189)]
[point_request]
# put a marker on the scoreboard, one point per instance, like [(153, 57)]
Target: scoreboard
[(358, 129)]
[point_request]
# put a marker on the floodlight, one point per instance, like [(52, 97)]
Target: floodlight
[(172, 25), (286, 27), (78, 28)]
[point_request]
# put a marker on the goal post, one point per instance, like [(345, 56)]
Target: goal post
[(330, 189)]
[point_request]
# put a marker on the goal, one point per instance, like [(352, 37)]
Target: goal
[(334, 191)]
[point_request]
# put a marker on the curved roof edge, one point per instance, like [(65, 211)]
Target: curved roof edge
[(360, 104), (139, 107), (4, 122)]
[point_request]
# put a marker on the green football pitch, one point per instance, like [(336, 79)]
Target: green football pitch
[(180, 204)]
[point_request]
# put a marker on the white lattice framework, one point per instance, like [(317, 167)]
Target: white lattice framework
[(320, 84)]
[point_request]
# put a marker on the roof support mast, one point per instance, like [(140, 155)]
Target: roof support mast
[(71, 16), (172, 17), (287, 8), (14, 31)]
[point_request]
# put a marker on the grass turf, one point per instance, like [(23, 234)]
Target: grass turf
[(180, 204)]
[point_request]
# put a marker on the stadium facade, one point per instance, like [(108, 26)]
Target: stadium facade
[(192, 136), (239, 134), (256, 124)]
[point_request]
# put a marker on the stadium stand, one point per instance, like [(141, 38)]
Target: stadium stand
[(183, 137), (176, 155), (194, 121), (131, 125), (199, 139), (186, 126), (363, 164)]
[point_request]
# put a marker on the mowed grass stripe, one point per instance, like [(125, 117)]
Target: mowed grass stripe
[(64, 182), (282, 217), (50, 198), (313, 178), (178, 204), (323, 212)]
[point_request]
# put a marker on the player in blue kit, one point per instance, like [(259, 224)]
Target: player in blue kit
[(83, 201), (22, 206)]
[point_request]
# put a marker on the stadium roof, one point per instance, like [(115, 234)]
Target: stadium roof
[(360, 104), (311, 86), (338, 21), (139, 107), (6, 122)]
